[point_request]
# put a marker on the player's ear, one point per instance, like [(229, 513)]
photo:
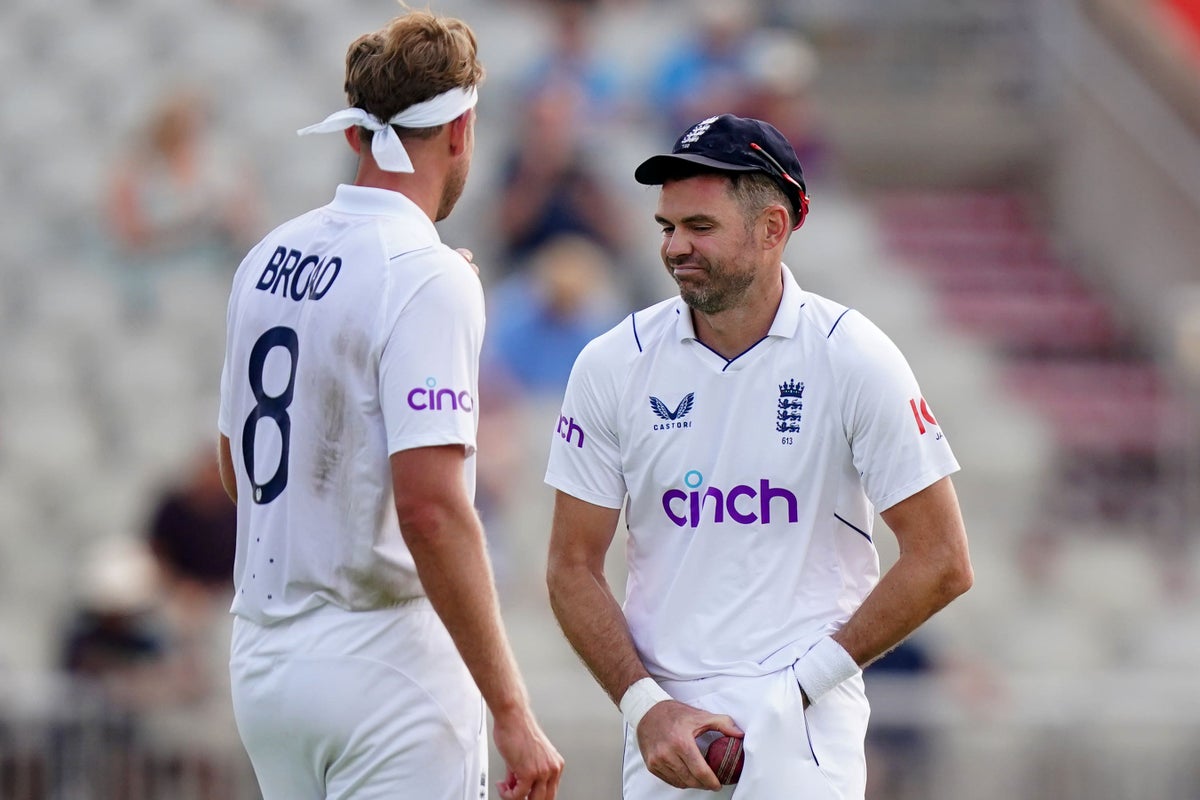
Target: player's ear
[(777, 224), (460, 132), (352, 138)]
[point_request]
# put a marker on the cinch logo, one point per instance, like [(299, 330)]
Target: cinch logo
[(744, 504), (567, 428), (429, 398), (922, 414)]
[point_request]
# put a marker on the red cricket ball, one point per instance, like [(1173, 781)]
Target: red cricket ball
[(726, 757)]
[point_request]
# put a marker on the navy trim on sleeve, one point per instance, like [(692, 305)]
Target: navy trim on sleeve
[(835, 324), (859, 531)]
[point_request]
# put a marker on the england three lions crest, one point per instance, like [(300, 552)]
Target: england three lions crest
[(791, 405)]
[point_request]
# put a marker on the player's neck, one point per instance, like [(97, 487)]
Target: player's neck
[(425, 191)]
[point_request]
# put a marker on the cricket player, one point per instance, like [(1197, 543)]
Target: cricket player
[(751, 430), (367, 636)]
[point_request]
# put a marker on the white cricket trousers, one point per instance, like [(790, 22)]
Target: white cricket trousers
[(792, 753), (369, 705)]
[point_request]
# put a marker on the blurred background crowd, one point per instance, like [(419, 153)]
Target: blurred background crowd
[(1010, 190)]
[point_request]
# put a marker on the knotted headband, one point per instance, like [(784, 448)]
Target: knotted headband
[(386, 146)]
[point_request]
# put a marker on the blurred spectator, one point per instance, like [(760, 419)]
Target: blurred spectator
[(193, 530), (152, 635), (573, 68), (191, 537), (115, 638), (542, 318), (157, 733), (118, 644), (705, 72), (731, 64), (175, 200), (192, 534), (119, 639), (781, 68), (550, 186)]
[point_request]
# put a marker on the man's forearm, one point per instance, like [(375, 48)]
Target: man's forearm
[(593, 623), (225, 467), (934, 567), (911, 592), (452, 564)]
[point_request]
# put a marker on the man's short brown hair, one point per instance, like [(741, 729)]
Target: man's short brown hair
[(413, 58), (754, 191)]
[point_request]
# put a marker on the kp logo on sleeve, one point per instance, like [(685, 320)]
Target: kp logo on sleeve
[(922, 414)]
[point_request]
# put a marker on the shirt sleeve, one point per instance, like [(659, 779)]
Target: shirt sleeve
[(585, 447), (896, 443), (429, 363)]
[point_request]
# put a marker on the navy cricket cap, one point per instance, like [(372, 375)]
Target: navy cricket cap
[(727, 143)]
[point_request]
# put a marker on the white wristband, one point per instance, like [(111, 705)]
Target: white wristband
[(823, 667), (639, 698)]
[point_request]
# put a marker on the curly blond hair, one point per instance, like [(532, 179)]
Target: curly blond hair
[(414, 57)]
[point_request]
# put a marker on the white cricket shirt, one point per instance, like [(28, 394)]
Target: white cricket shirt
[(752, 484), (353, 333)]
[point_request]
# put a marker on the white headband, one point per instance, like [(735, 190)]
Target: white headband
[(386, 146)]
